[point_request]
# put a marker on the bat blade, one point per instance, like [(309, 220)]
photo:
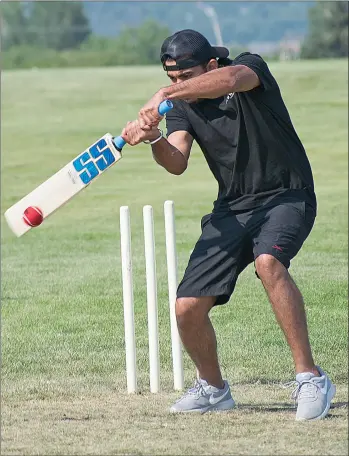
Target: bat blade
[(66, 183)]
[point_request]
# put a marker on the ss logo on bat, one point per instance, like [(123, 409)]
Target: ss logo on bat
[(93, 161)]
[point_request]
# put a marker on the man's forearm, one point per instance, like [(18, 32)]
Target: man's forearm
[(213, 84), (169, 157)]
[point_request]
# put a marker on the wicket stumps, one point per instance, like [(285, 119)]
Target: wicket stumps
[(152, 309)]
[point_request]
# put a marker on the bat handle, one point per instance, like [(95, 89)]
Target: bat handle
[(164, 107), (119, 142)]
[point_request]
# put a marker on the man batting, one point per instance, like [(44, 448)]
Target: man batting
[(265, 209)]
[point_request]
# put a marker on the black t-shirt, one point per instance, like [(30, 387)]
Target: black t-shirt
[(249, 142)]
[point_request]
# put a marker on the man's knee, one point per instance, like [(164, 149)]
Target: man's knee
[(190, 311), (269, 269)]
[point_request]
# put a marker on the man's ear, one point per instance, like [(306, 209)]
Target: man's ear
[(212, 65)]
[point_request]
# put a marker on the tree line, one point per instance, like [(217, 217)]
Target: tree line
[(240, 21), (49, 34)]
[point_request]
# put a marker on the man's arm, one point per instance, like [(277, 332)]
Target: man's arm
[(213, 84), (173, 154)]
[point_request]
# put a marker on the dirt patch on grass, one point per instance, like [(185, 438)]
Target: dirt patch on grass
[(263, 423)]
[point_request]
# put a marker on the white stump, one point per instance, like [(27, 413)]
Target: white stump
[(127, 288), (178, 380), (149, 245)]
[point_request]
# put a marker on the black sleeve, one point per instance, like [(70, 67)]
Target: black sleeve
[(259, 66), (177, 119)]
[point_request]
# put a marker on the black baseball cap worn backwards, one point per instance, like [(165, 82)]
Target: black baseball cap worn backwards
[(189, 48)]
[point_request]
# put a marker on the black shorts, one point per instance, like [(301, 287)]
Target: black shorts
[(232, 240)]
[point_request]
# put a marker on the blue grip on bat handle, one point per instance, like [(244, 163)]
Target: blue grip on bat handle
[(119, 142), (164, 107)]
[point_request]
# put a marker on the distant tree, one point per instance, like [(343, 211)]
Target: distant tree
[(328, 31), (58, 25), (13, 25), (141, 45)]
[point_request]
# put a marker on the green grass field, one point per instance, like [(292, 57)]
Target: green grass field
[(63, 363)]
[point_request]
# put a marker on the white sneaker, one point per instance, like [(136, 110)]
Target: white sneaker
[(204, 398), (313, 395)]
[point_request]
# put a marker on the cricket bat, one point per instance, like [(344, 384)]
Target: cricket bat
[(70, 180)]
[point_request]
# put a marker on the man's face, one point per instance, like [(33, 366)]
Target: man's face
[(183, 75)]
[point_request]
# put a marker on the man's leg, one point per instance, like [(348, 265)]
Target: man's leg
[(214, 266), (195, 328), (198, 336), (315, 390), (288, 306), (278, 233)]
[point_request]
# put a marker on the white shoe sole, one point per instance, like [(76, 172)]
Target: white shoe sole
[(220, 407), (330, 396)]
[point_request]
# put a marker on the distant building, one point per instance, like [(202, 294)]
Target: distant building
[(290, 49), (287, 49), (263, 47)]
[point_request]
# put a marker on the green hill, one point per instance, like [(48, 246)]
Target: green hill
[(241, 22)]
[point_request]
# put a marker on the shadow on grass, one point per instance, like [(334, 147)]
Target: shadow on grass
[(281, 407), (71, 418), (340, 405), (341, 378)]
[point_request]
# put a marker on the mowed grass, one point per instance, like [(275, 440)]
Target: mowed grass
[(63, 358)]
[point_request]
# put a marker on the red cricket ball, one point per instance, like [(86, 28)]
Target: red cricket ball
[(33, 216)]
